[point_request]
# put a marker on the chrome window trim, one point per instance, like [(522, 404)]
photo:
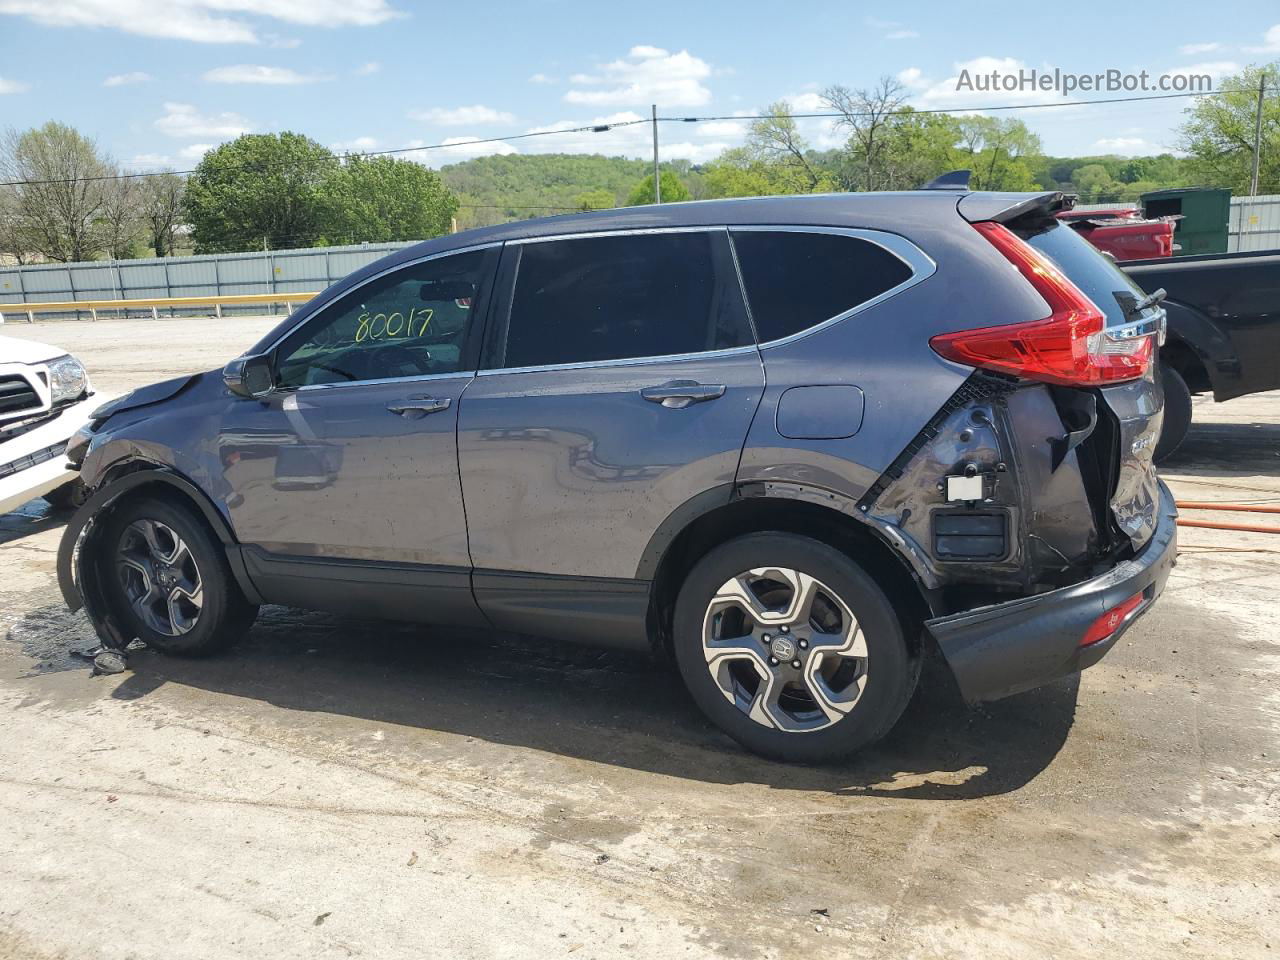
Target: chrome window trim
[(419, 378), (311, 315), (628, 232), (921, 265), (624, 362)]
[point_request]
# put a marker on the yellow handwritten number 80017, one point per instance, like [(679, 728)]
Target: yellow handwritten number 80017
[(376, 326)]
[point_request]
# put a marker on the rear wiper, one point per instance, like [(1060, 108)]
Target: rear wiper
[(1150, 300)]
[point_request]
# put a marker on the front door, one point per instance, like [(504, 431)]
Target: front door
[(353, 458)]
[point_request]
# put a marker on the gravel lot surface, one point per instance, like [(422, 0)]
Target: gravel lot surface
[(340, 788)]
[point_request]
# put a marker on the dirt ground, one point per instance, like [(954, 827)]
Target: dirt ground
[(340, 788)]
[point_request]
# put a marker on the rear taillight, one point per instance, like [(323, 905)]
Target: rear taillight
[(1069, 347)]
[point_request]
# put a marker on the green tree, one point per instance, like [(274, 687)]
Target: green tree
[(260, 188), (1000, 152), (58, 207), (673, 190), (377, 199), (1218, 133), (598, 199), (1094, 184)]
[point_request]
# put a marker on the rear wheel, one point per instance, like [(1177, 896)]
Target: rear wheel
[(1177, 412), (791, 648), (170, 581)]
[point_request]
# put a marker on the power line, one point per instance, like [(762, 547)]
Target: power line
[(911, 111), (606, 127), (590, 128)]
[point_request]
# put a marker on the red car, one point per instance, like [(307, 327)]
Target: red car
[(1123, 232)]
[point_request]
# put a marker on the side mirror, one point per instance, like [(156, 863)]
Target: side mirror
[(249, 376)]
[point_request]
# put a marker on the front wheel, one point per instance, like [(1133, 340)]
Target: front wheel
[(169, 580), (791, 648)]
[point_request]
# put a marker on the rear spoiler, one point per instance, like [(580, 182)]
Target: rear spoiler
[(1003, 207)]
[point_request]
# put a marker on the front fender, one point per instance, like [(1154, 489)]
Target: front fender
[(81, 542)]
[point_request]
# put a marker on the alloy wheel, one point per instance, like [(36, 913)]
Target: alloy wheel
[(785, 649), (160, 577)]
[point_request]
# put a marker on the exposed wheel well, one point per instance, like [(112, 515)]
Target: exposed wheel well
[(1177, 354), (761, 514)]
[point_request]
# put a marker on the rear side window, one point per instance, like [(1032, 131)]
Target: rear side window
[(1097, 277), (797, 280), (623, 297)]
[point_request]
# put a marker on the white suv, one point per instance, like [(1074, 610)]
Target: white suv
[(45, 397)]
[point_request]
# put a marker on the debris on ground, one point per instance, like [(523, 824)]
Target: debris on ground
[(413, 858), (108, 662), (321, 918)]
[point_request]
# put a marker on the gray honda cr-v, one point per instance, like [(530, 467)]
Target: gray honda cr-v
[(795, 443)]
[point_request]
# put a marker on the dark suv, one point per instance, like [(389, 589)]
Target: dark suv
[(795, 443)]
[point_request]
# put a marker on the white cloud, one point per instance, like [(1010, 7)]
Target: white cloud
[(945, 93), (11, 86), (892, 29), (458, 149), (1270, 42), (194, 151), (541, 78), (462, 116), (357, 145), (184, 120), (646, 75), (202, 21), (807, 102), (1120, 144), (367, 69), (259, 74), (127, 79), (1217, 69), (149, 161), (912, 77), (1191, 49)]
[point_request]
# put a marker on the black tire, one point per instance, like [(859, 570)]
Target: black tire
[(891, 670), (69, 496), (225, 615), (1177, 412)]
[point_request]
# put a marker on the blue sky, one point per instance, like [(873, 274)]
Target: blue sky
[(158, 81)]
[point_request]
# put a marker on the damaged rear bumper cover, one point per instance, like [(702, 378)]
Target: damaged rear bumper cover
[(1006, 648)]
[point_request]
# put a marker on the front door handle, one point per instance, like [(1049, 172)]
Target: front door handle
[(679, 394), (418, 407)]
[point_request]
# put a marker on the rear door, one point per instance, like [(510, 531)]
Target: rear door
[(1137, 405), (619, 381)]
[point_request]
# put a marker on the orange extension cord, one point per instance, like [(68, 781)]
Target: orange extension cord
[(1228, 508)]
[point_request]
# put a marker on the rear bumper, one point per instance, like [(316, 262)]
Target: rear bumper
[(1006, 648)]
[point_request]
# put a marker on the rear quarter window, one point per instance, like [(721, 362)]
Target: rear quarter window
[(796, 280)]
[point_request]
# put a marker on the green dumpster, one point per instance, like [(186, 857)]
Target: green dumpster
[(1205, 213)]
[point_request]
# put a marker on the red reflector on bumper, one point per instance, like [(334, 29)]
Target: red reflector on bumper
[(1111, 621)]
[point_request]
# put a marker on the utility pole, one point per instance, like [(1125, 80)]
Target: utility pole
[(1257, 133), (657, 175)]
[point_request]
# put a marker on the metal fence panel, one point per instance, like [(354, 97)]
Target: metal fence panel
[(266, 271), (1255, 223)]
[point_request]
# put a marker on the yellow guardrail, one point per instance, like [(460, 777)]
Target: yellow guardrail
[(155, 303)]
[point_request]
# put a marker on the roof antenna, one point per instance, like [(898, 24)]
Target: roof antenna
[(955, 180)]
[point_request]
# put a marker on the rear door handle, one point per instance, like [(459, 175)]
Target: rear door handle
[(679, 394), (417, 407)]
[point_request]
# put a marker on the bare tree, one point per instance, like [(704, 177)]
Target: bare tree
[(15, 233), (162, 209), (60, 195), (120, 217), (867, 115)]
